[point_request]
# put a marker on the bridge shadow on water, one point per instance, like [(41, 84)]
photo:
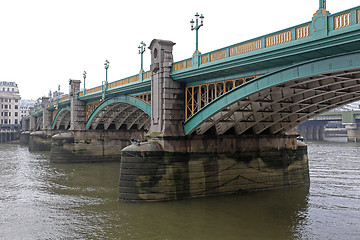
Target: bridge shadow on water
[(93, 190), (277, 214)]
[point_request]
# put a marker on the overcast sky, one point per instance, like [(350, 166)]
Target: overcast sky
[(44, 43)]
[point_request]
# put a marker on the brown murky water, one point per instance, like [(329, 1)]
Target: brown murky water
[(41, 200)]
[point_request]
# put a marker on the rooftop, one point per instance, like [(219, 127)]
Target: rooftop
[(4, 83)]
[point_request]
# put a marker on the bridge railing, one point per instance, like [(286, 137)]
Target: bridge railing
[(344, 18), (276, 38), (336, 21), (63, 99), (117, 83), (37, 112)]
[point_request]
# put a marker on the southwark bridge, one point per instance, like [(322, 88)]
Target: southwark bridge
[(217, 123)]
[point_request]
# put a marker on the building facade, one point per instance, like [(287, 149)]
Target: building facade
[(10, 103), (25, 107)]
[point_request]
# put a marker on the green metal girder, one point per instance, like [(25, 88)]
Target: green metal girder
[(307, 69), (123, 99), (127, 89), (67, 108), (39, 122)]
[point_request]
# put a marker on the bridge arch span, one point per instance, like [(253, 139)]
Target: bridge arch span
[(120, 112), (277, 102), (62, 119)]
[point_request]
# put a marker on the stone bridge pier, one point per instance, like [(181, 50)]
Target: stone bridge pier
[(353, 132), (25, 129), (172, 165), (314, 130)]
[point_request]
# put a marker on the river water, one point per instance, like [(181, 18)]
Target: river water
[(42, 200)]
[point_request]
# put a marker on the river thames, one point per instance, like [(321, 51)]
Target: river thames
[(42, 200)]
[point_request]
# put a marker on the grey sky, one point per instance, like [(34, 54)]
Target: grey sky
[(45, 42)]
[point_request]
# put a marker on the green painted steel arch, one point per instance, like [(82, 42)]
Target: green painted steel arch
[(68, 108), (307, 69), (39, 123), (123, 99)]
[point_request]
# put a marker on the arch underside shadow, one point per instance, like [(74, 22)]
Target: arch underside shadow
[(120, 113), (278, 102), (62, 119), (39, 124)]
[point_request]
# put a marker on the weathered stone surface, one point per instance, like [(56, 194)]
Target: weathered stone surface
[(168, 102), (91, 145), (78, 108), (24, 138), (47, 115), (40, 141), (149, 173), (32, 120)]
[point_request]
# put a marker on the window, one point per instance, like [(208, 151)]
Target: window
[(9, 121), (5, 121), (16, 114), (12, 89), (5, 114), (9, 114), (16, 100), (6, 106), (16, 121), (16, 106)]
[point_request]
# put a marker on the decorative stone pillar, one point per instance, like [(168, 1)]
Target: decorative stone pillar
[(47, 116), (32, 120), (167, 95), (78, 108)]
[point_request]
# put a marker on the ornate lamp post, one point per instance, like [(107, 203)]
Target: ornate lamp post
[(106, 64), (196, 56), (322, 4), (84, 76), (141, 52), (196, 28)]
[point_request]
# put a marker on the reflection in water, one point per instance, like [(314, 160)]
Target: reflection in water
[(41, 200)]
